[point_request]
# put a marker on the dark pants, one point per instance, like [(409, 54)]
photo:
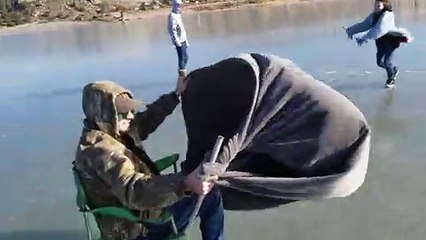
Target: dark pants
[(211, 215), (384, 56), (182, 53)]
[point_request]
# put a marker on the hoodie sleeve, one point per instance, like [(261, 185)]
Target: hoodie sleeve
[(385, 24), (361, 26), (136, 190), (172, 27), (148, 121)]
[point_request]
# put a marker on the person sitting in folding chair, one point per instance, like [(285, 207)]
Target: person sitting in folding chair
[(117, 173)]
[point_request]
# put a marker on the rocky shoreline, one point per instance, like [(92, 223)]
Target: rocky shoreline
[(44, 11)]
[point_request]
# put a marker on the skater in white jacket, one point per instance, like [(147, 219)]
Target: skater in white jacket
[(178, 35)]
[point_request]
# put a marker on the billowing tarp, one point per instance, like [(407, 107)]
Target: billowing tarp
[(288, 136)]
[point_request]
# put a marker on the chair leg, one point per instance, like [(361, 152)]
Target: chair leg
[(87, 224), (175, 167), (175, 231)]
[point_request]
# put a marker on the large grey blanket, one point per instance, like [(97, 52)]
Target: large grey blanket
[(289, 136)]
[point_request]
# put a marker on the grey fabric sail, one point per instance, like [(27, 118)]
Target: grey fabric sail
[(288, 136)]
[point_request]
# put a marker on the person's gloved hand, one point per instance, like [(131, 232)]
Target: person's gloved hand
[(360, 41), (198, 185), (350, 36), (213, 169), (181, 84)]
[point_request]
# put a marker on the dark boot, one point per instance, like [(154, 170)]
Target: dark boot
[(390, 83), (182, 73)]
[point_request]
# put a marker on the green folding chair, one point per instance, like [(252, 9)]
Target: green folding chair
[(121, 212)]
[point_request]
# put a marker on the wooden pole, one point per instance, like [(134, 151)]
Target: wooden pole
[(213, 158)]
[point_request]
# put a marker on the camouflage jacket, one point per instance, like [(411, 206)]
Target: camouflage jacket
[(114, 170)]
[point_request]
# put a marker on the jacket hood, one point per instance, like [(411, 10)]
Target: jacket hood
[(99, 105), (175, 6)]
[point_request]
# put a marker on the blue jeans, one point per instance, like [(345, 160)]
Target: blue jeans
[(211, 215), (182, 53), (384, 56)]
